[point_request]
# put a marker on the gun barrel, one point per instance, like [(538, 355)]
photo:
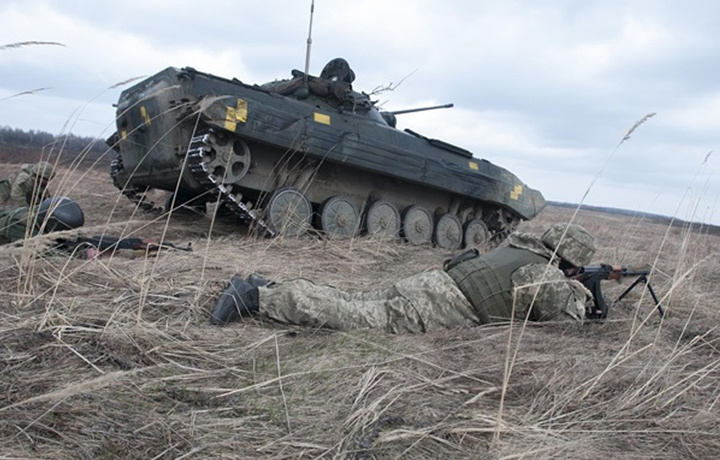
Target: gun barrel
[(626, 272), (422, 109), (636, 271)]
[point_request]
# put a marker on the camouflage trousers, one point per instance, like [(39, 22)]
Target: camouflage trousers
[(426, 302)]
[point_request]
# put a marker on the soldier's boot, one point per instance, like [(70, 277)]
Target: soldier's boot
[(240, 299)]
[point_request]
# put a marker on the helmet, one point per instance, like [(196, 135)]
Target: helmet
[(338, 69), (571, 242), (60, 213), (43, 169)]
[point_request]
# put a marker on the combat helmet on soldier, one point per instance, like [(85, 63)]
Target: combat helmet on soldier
[(60, 213), (571, 242), (338, 69), (44, 170)]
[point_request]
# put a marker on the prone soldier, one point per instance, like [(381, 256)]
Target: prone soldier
[(522, 280), (53, 214)]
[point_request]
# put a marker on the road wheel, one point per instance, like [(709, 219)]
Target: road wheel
[(339, 217), (417, 225), (383, 220), (448, 232), (289, 211), (477, 234)]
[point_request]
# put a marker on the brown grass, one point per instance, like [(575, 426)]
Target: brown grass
[(115, 357)]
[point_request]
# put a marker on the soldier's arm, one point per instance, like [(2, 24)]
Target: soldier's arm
[(551, 295), (21, 188)]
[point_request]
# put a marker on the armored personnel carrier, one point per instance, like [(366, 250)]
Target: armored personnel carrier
[(307, 153)]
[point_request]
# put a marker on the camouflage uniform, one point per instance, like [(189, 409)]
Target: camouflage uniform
[(487, 288), (18, 189), (426, 302), (506, 280), (13, 225), (53, 214)]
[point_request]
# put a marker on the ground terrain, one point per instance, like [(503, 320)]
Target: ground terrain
[(115, 358)]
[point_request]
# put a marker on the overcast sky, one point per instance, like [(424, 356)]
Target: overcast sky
[(546, 89)]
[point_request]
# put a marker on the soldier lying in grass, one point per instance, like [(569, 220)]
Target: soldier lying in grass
[(470, 290), (53, 214)]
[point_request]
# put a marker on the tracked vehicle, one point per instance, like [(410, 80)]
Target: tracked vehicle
[(307, 152)]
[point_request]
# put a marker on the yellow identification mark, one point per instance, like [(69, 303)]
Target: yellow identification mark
[(144, 115), (236, 114), (321, 118), (473, 165), (123, 134), (517, 191)]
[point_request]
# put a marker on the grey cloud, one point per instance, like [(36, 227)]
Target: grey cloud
[(566, 75)]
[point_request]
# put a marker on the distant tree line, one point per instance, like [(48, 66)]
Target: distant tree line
[(673, 221), (20, 146), (42, 140)]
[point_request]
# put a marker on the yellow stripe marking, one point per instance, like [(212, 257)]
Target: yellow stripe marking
[(517, 191), (233, 115), (123, 134), (474, 166), (321, 118), (144, 115)]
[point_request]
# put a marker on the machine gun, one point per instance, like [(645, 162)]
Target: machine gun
[(591, 276), (98, 245)]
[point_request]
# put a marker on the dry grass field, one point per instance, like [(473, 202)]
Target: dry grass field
[(115, 358)]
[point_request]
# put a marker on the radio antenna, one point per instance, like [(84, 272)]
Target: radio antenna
[(309, 42)]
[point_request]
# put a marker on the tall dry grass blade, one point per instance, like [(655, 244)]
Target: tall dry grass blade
[(280, 385), (636, 126), (127, 81), (28, 43), (24, 93), (611, 155)]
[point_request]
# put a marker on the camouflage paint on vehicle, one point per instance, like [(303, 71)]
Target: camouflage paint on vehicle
[(308, 151)]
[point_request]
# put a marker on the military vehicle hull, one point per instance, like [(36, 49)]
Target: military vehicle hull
[(321, 157)]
